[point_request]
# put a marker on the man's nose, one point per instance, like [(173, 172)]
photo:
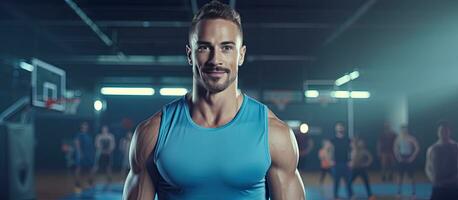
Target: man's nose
[(216, 58)]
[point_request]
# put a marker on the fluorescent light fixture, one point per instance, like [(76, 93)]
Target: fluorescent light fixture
[(352, 94), (342, 80), (98, 105), (304, 128), (26, 66), (340, 94), (354, 75), (173, 91), (360, 94), (347, 77), (312, 93), (293, 123), (127, 91)]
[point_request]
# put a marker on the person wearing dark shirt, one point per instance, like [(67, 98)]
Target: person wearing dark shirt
[(442, 165), (305, 144), (341, 159)]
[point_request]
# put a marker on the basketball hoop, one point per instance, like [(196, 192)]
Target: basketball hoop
[(71, 104), (49, 103)]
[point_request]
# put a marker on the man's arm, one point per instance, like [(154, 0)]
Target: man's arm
[(139, 185), (76, 141), (283, 178), (112, 142), (396, 149), (416, 147), (98, 146), (369, 157), (428, 165)]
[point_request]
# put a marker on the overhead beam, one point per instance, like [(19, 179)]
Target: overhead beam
[(165, 60), (350, 21), (90, 23)]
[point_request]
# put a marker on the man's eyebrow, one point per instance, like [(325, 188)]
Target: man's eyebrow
[(228, 42), (203, 42), (209, 43)]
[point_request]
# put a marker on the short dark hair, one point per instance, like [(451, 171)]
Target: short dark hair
[(340, 123), (216, 10)]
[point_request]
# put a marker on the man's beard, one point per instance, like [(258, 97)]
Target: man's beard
[(213, 86)]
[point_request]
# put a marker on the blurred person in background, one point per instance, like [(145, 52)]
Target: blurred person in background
[(105, 145), (324, 154), (385, 152), (360, 160), (442, 164), (305, 144), (341, 159), (406, 149), (124, 145), (84, 157)]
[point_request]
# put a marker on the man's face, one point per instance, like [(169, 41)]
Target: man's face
[(84, 127), (443, 132), (340, 128), (105, 129), (215, 52)]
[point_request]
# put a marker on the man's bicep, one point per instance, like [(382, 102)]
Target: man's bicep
[(138, 186), (285, 184), (284, 179), (139, 183)]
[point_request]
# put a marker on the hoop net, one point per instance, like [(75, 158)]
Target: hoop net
[(71, 104)]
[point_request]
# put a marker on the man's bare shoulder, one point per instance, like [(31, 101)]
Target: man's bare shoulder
[(281, 137), (146, 128), (277, 127), (144, 140)]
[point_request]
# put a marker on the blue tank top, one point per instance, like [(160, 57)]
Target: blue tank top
[(199, 163)]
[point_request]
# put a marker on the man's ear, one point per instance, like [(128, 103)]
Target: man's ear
[(242, 55), (189, 54)]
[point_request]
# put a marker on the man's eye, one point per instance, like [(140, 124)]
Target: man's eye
[(228, 48), (202, 48)]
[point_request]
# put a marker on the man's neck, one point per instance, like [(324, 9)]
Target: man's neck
[(340, 135), (214, 109), (445, 140)]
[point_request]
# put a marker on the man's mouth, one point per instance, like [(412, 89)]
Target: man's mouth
[(215, 72)]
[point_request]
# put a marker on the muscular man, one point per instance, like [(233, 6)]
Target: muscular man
[(442, 165), (214, 143)]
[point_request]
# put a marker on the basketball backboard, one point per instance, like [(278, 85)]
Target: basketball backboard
[(48, 85)]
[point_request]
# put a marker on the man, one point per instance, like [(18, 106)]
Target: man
[(214, 143), (406, 149), (360, 161), (341, 150), (385, 152), (84, 156), (442, 164), (305, 144), (105, 145)]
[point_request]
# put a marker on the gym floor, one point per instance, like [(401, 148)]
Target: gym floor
[(59, 185)]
